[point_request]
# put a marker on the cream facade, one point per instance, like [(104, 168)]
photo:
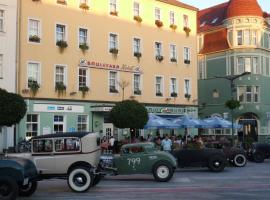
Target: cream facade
[(8, 38), (121, 59)]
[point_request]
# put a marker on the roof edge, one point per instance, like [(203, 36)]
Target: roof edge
[(179, 4)]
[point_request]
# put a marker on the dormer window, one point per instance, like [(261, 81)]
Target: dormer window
[(214, 20), (202, 24)]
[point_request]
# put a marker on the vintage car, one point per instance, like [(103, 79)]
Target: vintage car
[(258, 152), (235, 155), (74, 156), (212, 158), (140, 158), (17, 176)]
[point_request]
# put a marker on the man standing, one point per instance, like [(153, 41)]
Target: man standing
[(166, 144)]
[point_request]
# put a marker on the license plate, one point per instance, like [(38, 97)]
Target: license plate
[(25, 181)]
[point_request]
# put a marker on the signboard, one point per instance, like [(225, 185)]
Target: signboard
[(107, 66), (101, 109), (58, 108), (173, 110), (71, 129)]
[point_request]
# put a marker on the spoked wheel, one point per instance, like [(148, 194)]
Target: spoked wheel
[(80, 179), (8, 188), (28, 190), (216, 163), (162, 172), (239, 160)]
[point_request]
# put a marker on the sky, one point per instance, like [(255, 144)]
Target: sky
[(201, 4)]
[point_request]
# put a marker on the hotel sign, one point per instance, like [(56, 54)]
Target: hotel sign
[(172, 110), (58, 108), (107, 66)]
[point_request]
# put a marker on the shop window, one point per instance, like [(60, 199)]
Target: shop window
[(32, 125)]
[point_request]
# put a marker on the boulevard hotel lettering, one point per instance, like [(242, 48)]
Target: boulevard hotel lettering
[(101, 65)]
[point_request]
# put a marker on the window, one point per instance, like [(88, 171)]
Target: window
[(82, 123), (201, 69), (113, 41), (33, 73), (253, 37), (173, 53), (157, 14), (58, 124), (255, 65), (172, 18), (113, 6), (42, 146), (136, 45), (137, 84), (67, 145), (159, 86), (34, 30), (186, 55), (240, 37), (32, 125), (247, 37), (113, 82), (60, 74), (60, 32), (1, 67), (185, 21), (82, 36), (136, 8), (243, 65), (158, 48), (173, 87), (256, 94), (83, 77), (2, 20), (187, 87), (248, 94)]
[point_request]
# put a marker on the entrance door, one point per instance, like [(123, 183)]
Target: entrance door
[(108, 130), (250, 127)]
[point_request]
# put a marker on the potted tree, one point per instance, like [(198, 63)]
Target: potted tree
[(114, 13), (83, 46), (159, 58), (174, 94), (114, 51), (61, 44), (34, 38), (173, 59), (187, 96), (138, 54), (187, 30), (159, 23), (173, 26), (84, 6)]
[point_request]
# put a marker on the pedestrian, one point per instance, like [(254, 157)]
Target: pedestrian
[(166, 144), (111, 144)]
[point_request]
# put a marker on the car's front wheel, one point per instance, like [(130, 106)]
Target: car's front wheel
[(80, 179), (8, 188), (28, 190), (162, 172), (239, 160), (216, 163)]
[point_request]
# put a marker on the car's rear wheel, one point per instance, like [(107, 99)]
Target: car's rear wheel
[(8, 188), (163, 171), (239, 160), (80, 179), (258, 157), (216, 163), (28, 190)]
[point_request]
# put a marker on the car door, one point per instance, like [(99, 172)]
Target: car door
[(190, 157)]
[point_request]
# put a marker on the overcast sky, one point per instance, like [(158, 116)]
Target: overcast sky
[(201, 4)]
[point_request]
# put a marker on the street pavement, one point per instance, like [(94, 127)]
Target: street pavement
[(251, 182)]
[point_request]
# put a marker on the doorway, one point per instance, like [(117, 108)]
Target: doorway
[(250, 127)]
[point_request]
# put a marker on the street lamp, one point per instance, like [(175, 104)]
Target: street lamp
[(231, 78)]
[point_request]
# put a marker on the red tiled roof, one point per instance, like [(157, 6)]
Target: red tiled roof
[(215, 41), (207, 16), (179, 4), (244, 7)]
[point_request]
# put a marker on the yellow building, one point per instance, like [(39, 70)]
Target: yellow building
[(78, 57)]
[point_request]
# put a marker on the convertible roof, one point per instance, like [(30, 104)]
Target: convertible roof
[(65, 134)]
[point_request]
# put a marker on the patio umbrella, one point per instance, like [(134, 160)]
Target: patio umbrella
[(188, 122), (217, 122), (156, 122)]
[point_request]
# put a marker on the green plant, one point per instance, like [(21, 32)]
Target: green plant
[(159, 23), (187, 30), (34, 86), (173, 94), (60, 88), (62, 44), (84, 89), (84, 6), (232, 104), (34, 38), (83, 46), (173, 60), (115, 13), (36, 0), (137, 92), (64, 2), (138, 54), (113, 89), (114, 51), (137, 18), (159, 94), (159, 58), (173, 26), (187, 96)]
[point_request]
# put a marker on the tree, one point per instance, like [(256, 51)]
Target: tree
[(232, 104), (12, 108), (129, 114)]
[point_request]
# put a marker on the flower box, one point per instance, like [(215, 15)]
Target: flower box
[(187, 61), (174, 94), (84, 89), (83, 46), (60, 88), (63, 2), (137, 92), (187, 96), (187, 30), (33, 86), (114, 13), (173, 60), (159, 23), (159, 94), (113, 90), (61, 44), (114, 50), (159, 58), (84, 6), (137, 18), (36, 0), (138, 54), (34, 38), (173, 26)]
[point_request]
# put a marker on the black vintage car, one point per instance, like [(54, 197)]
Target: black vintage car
[(17, 176), (258, 152), (212, 158)]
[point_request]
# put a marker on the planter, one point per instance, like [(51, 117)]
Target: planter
[(159, 94), (113, 90), (173, 26), (114, 13), (187, 61), (159, 58), (34, 38), (173, 60), (114, 51), (159, 23), (36, 0), (137, 54), (63, 2), (187, 30), (33, 86), (61, 44), (174, 94), (137, 92), (137, 18), (187, 96), (84, 47), (84, 90), (60, 88), (84, 6)]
